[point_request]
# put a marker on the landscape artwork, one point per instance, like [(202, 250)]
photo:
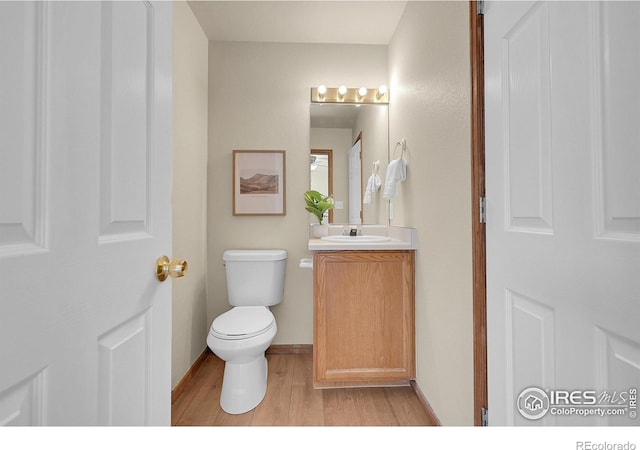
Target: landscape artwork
[(258, 182)]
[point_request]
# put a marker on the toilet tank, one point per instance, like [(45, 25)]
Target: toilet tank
[(255, 277)]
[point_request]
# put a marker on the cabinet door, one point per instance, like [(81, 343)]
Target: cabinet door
[(364, 318)]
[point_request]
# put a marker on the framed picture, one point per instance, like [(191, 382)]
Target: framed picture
[(259, 183)]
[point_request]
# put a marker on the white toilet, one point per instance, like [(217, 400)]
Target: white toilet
[(255, 281)]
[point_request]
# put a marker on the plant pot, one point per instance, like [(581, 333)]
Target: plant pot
[(319, 230)]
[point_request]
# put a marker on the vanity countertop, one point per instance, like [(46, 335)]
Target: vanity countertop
[(401, 238)]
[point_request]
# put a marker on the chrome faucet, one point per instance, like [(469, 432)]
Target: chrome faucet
[(352, 230)]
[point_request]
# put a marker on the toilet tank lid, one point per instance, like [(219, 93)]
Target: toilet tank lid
[(254, 255)]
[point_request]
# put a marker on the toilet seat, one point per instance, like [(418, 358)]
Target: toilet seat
[(242, 322)]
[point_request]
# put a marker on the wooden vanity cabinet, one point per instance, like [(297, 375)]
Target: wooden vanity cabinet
[(364, 318)]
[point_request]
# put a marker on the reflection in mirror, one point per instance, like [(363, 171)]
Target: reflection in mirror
[(355, 181), (339, 127), (321, 168)]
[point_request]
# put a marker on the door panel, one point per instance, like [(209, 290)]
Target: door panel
[(562, 155), (616, 96), (85, 212), (124, 372), (127, 120), (527, 127), (22, 205)]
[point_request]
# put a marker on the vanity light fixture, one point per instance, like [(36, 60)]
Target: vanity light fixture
[(342, 94), (382, 91), (322, 89)]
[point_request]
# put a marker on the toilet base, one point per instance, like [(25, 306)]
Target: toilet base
[(244, 385)]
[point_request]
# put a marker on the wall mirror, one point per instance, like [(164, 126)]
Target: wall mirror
[(345, 142)]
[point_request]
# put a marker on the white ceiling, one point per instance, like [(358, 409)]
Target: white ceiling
[(313, 21)]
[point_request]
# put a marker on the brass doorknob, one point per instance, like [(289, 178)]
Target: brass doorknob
[(174, 268)]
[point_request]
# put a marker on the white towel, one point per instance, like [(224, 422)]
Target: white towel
[(396, 172), (373, 185)]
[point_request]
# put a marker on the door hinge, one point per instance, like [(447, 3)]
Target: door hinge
[(484, 415), (480, 7), (483, 210)]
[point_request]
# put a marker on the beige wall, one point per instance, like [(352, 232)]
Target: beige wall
[(259, 100), (430, 88), (190, 84)]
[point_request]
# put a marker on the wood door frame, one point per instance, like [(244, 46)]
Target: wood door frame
[(478, 240)]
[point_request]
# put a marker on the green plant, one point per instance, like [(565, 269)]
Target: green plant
[(318, 204)]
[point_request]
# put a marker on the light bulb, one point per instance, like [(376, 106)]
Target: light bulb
[(342, 90), (322, 89), (382, 90), (362, 91)]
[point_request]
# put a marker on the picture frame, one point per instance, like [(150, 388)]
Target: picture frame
[(259, 183)]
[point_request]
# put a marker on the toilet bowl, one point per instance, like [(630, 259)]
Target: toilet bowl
[(240, 336)]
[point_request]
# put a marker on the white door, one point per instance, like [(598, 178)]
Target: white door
[(563, 212), (355, 183), (85, 135)]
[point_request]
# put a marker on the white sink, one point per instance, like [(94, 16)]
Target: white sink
[(363, 239)]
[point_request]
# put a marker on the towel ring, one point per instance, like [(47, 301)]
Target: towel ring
[(376, 165), (402, 142)]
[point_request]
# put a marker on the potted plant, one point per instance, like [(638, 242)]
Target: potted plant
[(318, 204)]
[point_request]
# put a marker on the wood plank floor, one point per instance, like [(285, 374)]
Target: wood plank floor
[(291, 400)]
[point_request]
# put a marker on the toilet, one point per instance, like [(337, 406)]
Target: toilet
[(240, 336)]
